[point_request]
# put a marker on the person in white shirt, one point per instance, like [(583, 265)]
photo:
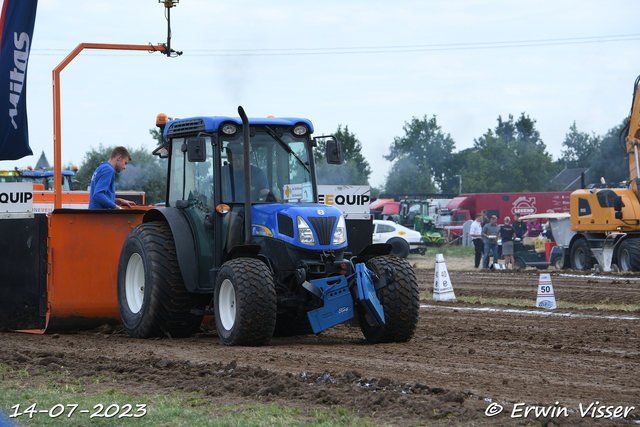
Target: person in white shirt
[(475, 231)]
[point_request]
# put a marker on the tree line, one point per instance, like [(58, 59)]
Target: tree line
[(510, 157)]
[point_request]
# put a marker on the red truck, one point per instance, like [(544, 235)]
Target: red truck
[(465, 206)]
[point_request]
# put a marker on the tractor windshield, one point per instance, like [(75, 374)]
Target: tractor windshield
[(280, 168)]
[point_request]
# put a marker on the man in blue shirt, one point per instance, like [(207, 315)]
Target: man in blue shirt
[(233, 177), (103, 183), (233, 189)]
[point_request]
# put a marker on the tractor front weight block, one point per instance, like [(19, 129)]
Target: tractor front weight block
[(338, 301)]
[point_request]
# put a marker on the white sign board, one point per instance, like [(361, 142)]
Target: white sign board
[(293, 191), (352, 200), (16, 197), (300, 192)]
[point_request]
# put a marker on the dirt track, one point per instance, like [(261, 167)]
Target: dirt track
[(460, 359)]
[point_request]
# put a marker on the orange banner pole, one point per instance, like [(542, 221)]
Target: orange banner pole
[(57, 140)]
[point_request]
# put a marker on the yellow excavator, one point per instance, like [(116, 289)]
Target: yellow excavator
[(605, 218)]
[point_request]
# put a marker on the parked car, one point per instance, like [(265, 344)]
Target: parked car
[(402, 239)]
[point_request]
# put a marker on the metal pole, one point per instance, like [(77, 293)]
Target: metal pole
[(460, 187)]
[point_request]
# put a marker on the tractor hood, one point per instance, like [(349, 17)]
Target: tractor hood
[(281, 222)]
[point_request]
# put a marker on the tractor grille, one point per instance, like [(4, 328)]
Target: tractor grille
[(187, 127), (323, 226)]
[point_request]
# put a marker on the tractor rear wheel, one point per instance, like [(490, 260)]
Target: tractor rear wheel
[(629, 255), (399, 299), (152, 298), (399, 247), (581, 258), (245, 302)]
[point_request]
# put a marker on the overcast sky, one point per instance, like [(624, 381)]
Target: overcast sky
[(371, 65)]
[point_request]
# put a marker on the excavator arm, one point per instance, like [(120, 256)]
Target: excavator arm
[(633, 136)]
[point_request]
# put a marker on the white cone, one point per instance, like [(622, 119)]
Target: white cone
[(546, 297), (442, 288)]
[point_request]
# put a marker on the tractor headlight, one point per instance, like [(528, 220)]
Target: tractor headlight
[(340, 235), (305, 234)]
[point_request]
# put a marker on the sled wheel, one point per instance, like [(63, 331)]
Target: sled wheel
[(520, 263), (245, 302), (581, 258), (152, 298), (399, 299), (399, 247), (629, 255)]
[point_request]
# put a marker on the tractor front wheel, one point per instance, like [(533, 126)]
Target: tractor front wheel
[(152, 298), (245, 302), (399, 299)]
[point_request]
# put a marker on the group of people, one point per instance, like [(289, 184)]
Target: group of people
[(485, 233)]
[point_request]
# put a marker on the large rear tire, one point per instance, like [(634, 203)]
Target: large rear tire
[(629, 255), (399, 247), (245, 302), (399, 299), (152, 298), (581, 258)]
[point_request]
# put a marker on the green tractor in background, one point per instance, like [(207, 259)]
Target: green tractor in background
[(425, 224), (416, 213)]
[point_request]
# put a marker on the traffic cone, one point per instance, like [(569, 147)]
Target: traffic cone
[(546, 298), (442, 288)]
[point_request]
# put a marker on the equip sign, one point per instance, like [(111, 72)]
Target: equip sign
[(16, 197), (352, 200)]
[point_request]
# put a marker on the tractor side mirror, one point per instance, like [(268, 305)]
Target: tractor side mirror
[(196, 149), (161, 152), (334, 151)]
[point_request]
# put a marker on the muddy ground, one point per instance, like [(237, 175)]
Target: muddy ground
[(464, 361)]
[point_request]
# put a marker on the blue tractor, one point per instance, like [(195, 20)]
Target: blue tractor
[(243, 238)]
